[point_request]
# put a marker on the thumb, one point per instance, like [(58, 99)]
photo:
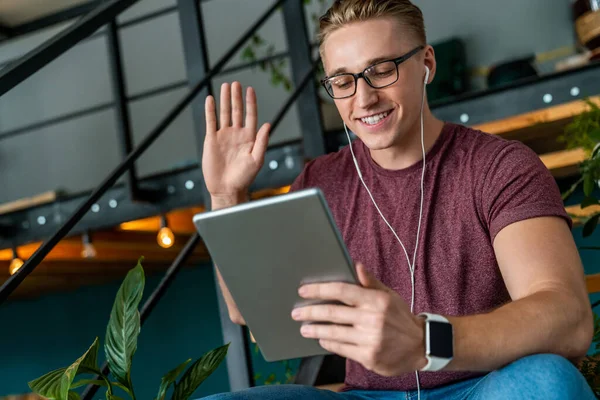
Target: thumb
[(367, 279), (261, 142)]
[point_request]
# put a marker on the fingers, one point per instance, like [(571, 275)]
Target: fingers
[(260, 144), (327, 313), (338, 333), (251, 109), (225, 112), (237, 115), (347, 293), (350, 351), (210, 115)]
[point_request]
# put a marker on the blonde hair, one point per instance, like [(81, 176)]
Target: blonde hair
[(343, 12)]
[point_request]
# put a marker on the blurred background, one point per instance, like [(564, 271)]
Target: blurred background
[(74, 103)]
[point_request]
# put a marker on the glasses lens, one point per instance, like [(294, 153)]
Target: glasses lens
[(382, 74), (340, 86)]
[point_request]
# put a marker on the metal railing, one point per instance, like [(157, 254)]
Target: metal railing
[(106, 14), (6, 83)]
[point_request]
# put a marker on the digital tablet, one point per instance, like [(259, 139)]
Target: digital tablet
[(265, 250)]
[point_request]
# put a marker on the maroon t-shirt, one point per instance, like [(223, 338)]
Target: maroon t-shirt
[(475, 185)]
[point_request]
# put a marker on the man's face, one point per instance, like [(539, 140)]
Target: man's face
[(381, 118)]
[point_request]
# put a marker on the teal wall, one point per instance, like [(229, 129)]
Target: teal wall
[(53, 331)]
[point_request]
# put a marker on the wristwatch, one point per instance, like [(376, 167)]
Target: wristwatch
[(439, 341)]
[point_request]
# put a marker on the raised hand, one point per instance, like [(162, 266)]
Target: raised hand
[(234, 152)]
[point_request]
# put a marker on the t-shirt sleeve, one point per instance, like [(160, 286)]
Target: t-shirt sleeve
[(518, 186), (302, 180)]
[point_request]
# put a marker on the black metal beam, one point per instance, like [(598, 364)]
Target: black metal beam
[(300, 89), (5, 31), (13, 282), (55, 18), (153, 299), (42, 55), (148, 17), (521, 97), (309, 109), (126, 24), (56, 120), (197, 64), (91, 110), (122, 117), (239, 361), (181, 189)]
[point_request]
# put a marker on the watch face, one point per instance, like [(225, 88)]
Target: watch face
[(440, 339)]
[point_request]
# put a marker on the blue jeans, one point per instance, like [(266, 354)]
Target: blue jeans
[(543, 376)]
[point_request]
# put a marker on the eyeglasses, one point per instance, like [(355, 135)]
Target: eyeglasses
[(379, 75)]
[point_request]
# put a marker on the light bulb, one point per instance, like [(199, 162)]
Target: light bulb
[(89, 251), (165, 237), (15, 265)]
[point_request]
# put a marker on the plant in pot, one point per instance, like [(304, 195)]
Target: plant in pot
[(584, 132), (120, 346)]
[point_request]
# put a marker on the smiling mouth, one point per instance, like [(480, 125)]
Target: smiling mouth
[(375, 119)]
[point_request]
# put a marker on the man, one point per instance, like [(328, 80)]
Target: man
[(494, 257)]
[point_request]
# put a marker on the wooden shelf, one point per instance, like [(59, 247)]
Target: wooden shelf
[(540, 130), (563, 163), (28, 202), (593, 283), (515, 125)]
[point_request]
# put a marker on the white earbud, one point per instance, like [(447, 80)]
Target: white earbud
[(426, 75)]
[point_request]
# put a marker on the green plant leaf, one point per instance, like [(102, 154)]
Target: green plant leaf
[(248, 54), (594, 134), (257, 39), (589, 201), (113, 397), (124, 326), (170, 378), (105, 383), (198, 373), (74, 396), (85, 382), (590, 225), (588, 184), (48, 385), (56, 384)]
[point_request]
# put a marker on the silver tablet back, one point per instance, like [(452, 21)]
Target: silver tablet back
[(265, 250)]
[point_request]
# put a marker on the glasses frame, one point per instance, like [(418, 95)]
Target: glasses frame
[(396, 61)]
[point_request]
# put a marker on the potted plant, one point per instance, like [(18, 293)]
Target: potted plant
[(584, 132), (120, 346)]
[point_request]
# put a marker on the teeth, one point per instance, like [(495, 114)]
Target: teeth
[(372, 120)]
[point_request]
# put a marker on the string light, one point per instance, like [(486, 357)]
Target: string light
[(165, 237), (16, 262), (89, 251)]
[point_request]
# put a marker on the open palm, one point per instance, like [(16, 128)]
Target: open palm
[(233, 154)]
